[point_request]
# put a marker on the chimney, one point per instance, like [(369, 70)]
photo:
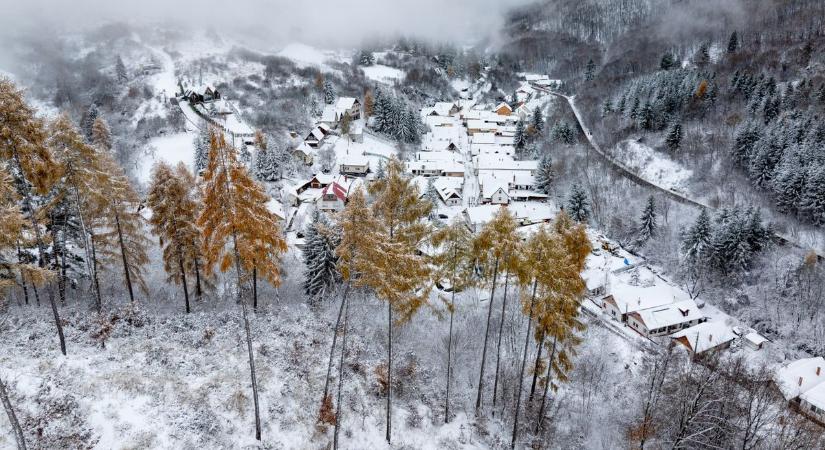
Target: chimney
[(800, 381), (818, 369), (710, 337)]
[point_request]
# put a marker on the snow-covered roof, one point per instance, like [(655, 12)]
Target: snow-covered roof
[(484, 138), (671, 314), (305, 149), (503, 105), (799, 376), (354, 160), (477, 124), (328, 115), (443, 108), (340, 192), (344, 103), (705, 336), (486, 161), (447, 194), (489, 186), (755, 338), (815, 395)]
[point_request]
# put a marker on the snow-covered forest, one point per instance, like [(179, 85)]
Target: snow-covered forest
[(489, 224)]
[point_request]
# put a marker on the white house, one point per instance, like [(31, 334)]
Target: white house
[(357, 165), (304, 153), (495, 191), (802, 383), (705, 337), (666, 319), (450, 197), (348, 105), (333, 198)]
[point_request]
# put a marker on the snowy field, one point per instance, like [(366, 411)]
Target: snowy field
[(383, 74), (173, 148), (653, 166)]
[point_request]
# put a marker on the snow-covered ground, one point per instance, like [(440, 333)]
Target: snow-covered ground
[(383, 74), (653, 165), (305, 55), (173, 148)]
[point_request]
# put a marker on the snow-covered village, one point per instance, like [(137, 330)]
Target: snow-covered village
[(483, 225)]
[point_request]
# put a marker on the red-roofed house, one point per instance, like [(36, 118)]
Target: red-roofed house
[(333, 197)]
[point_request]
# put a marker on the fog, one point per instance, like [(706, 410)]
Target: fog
[(320, 22)]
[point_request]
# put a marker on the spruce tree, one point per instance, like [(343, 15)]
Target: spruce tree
[(590, 70), (733, 42), (88, 121), (329, 93), (545, 175), (697, 239), (667, 62), (674, 137), (812, 201), (320, 260), (578, 205), (647, 223), (201, 150), (519, 138), (537, 121), (120, 69)]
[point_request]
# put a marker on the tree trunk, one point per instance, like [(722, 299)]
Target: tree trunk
[(124, 258), (449, 359), (89, 245), (198, 290), (536, 366), (334, 339), (498, 346), (338, 406), (15, 425), (57, 321), (486, 335), (523, 364), (22, 274), (183, 280), (36, 294), (61, 268), (389, 372), (252, 372), (96, 282), (546, 385), (255, 288)]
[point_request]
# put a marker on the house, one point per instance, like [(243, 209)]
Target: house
[(201, 95), (321, 180), (802, 383), (495, 191), (479, 126), (328, 116), (348, 105), (315, 138), (443, 109), (333, 198), (450, 197), (424, 168), (754, 340), (304, 154), (503, 109), (524, 113), (665, 319), (356, 165), (708, 336)]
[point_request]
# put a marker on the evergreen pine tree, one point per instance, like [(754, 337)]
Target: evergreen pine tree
[(674, 137), (647, 223), (120, 69), (366, 58), (697, 239), (812, 201), (320, 260), (667, 62), (578, 206), (733, 42), (329, 93), (538, 120), (545, 175), (519, 139), (646, 117), (201, 150), (590, 70), (88, 121)]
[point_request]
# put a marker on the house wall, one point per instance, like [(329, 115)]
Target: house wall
[(815, 412), (499, 198), (330, 205)]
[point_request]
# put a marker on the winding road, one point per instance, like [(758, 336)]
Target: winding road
[(628, 173)]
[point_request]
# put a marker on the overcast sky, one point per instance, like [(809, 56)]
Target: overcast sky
[(346, 22)]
